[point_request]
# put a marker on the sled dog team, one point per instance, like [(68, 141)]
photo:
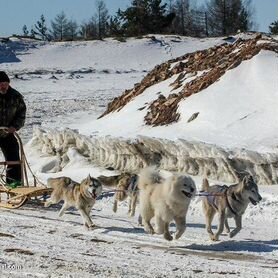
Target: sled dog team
[(162, 200)]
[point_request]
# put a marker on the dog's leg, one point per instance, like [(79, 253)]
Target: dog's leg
[(48, 203), (227, 228), (147, 226), (167, 234), (180, 226), (86, 218), (51, 201), (209, 214), (140, 220), (63, 209), (147, 214), (129, 205), (220, 226), (159, 225), (88, 211), (238, 226), (115, 205), (133, 201)]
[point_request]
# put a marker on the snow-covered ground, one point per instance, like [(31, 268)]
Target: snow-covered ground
[(69, 85)]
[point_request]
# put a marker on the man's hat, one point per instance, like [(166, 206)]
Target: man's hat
[(4, 77)]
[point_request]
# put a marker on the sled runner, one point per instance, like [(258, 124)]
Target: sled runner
[(14, 195)]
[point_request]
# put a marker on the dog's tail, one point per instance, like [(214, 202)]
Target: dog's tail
[(147, 176), (205, 184)]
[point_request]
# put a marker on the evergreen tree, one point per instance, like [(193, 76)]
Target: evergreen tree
[(32, 33), (72, 29), (228, 16), (273, 28), (115, 26), (25, 30), (135, 18), (158, 20), (40, 28), (60, 27), (145, 16)]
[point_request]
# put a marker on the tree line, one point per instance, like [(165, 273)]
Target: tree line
[(214, 18)]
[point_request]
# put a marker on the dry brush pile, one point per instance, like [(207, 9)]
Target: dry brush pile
[(212, 62)]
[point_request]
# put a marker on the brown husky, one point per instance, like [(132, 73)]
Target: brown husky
[(229, 202), (81, 196), (126, 186)]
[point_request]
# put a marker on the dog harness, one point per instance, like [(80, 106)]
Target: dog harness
[(229, 205), (211, 198), (133, 183)]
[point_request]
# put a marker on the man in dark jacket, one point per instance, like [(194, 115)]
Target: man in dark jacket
[(12, 118)]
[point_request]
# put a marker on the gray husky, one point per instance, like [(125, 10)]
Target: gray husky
[(82, 195), (126, 186), (229, 202)]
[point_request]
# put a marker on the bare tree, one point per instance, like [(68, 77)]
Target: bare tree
[(102, 17), (182, 20), (88, 30)]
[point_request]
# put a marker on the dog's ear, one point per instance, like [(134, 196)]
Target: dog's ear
[(245, 181), (239, 176), (205, 184), (248, 179), (88, 179)]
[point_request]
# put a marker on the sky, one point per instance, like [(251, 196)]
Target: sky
[(16, 13)]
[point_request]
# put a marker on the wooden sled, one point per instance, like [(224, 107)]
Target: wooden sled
[(13, 198), (16, 197)]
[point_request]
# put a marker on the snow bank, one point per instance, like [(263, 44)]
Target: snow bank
[(194, 158)]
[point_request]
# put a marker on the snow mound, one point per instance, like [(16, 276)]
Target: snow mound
[(194, 158)]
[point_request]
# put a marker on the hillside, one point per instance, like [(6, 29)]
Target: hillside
[(67, 86)]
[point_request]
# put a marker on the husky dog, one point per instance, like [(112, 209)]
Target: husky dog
[(229, 202), (165, 200), (81, 196), (126, 186)]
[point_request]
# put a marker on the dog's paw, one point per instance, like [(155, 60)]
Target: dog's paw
[(90, 226), (149, 230), (227, 231), (231, 234), (178, 235), (214, 238), (168, 237), (159, 231)]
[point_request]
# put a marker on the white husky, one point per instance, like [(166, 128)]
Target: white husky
[(165, 200)]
